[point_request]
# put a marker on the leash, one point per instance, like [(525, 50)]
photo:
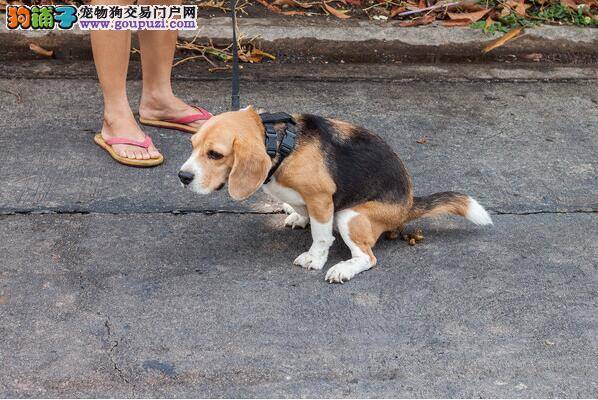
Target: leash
[(273, 148), (235, 100)]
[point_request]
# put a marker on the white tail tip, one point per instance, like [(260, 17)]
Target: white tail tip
[(477, 214)]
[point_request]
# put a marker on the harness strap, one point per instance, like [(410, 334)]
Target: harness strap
[(287, 142)]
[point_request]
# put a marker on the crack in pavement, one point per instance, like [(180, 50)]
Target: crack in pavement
[(575, 211), (247, 212), (113, 346)]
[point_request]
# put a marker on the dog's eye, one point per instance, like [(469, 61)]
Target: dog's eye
[(214, 155)]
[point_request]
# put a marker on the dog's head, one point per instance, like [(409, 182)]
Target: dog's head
[(228, 147)]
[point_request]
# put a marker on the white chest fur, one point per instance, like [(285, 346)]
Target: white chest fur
[(283, 193)]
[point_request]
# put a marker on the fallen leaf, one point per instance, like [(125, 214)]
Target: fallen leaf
[(488, 24), (471, 6), (395, 10), (422, 4), (337, 13), (293, 12), (457, 22), (426, 19), (270, 6), (521, 8), (512, 34), (263, 53), (422, 141), (37, 49), (255, 56), (292, 3), (356, 3), (505, 12), (471, 16), (585, 7)]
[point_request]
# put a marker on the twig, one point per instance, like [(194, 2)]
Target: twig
[(434, 7), (18, 96), (187, 59)]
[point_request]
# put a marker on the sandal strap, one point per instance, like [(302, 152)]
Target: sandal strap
[(145, 143), (201, 116)]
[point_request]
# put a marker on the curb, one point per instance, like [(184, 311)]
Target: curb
[(354, 41)]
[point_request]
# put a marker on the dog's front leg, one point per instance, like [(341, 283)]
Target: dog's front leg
[(297, 216), (321, 213)]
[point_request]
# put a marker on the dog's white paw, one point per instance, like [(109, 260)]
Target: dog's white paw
[(287, 208), (308, 260), (345, 270), (296, 220)]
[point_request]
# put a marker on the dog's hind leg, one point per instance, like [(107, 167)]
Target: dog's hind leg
[(360, 236)]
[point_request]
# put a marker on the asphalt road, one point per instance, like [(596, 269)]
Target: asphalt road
[(116, 282)]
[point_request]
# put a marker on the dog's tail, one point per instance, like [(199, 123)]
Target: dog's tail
[(449, 203)]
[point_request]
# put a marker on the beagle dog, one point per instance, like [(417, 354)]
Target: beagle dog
[(337, 175)]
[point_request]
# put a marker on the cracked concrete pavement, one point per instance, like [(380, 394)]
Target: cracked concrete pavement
[(117, 282)]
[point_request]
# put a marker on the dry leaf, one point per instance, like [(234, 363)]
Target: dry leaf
[(574, 6), (263, 54), (270, 6), (422, 4), (412, 7), (335, 12), (457, 22), (521, 8), (395, 10), (37, 49), (422, 141), (426, 19), (255, 56), (471, 16), (356, 3), (293, 12), (471, 6), (488, 24), (292, 3), (512, 34), (505, 12)]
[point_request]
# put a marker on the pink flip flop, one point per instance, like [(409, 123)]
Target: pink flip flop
[(180, 124), (145, 143)]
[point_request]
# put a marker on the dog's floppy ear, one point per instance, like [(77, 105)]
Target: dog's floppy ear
[(250, 168)]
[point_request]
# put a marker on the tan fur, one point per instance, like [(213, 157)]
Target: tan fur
[(342, 128), (363, 234), (456, 207), (238, 136), (305, 172), (374, 219)]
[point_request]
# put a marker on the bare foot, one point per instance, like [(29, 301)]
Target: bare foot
[(123, 125), (166, 107)]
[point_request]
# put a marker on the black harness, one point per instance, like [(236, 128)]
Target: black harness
[(274, 147)]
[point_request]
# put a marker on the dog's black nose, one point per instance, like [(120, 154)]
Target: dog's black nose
[(186, 177)]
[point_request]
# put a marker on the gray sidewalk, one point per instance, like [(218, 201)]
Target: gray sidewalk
[(131, 286)]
